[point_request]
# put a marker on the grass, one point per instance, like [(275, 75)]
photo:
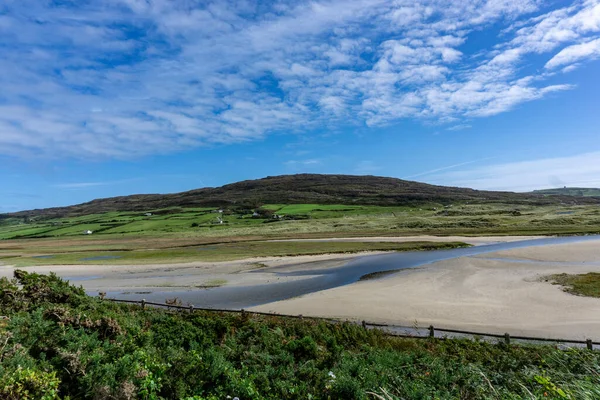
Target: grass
[(319, 219), (578, 192), (171, 234), (213, 252), (213, 284), (582, 284), (60, 343)]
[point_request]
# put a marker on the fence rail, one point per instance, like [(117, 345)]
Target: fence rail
[(431, 330)]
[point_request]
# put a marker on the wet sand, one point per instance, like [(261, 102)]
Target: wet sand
[(473, 240), (493, 292), (487, 292), (195, 275), (187, 276)]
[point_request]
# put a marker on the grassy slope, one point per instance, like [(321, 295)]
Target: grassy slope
[(174, 235), (324, 220), (305, 189), (578, 192), (583, 284), (61, 343)]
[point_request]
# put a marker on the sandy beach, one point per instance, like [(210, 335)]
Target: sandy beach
[(199, 274), (496, 292), (193, 275)]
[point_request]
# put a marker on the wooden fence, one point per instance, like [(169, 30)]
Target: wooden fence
[(391, 330)]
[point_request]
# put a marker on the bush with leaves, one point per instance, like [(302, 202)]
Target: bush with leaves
[(59, 343)]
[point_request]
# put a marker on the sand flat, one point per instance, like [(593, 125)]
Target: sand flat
[(573, 252), (481, 293), (473, 240), (198, 274), (171, 276)]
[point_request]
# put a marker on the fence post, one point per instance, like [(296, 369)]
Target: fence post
[(589, 344), (507, 338), (143, 303), (364, 324), (191, 308), (431, 331)]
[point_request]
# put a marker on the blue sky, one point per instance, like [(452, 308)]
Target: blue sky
[(113, 97)]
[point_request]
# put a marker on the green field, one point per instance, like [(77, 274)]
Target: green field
[(59, 343), (179, 234), (317, 220)]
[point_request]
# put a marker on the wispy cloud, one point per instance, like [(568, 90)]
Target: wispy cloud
[(83, 185), (459, 127), (576, 170), (575, 53), (125, 78), (20, 195), (305, 163), (433, 171)]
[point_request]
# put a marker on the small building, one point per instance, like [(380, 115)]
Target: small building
[(148, 214), (88, 232)]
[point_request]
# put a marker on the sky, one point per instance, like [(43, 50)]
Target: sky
[(113, 97)]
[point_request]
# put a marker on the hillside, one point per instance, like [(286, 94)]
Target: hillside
[(305, 188), (567, 191)]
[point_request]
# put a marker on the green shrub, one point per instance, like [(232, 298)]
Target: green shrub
[(28, 384), (61, 343)]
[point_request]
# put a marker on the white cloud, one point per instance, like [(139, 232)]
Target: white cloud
[(575, 53), (124, 78), (459, 127), (447, 167), (83, 185), (577, 170), (302, 163)]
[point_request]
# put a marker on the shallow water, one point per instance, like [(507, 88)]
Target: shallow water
[(80, 278), (239, 297)]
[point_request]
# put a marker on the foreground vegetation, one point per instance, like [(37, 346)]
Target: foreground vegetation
[(59, 343), (582, 284)]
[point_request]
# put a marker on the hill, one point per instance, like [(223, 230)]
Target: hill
[(566, 191), (305, 188)]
